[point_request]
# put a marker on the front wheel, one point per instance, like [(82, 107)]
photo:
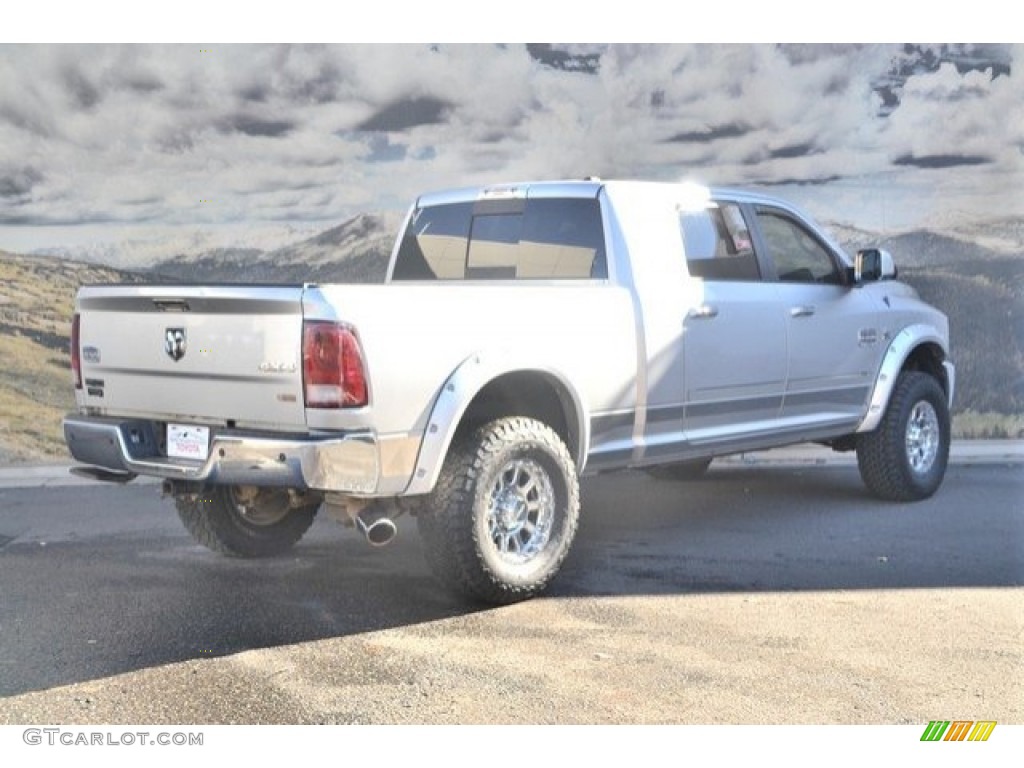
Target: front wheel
[(246, 521), (905, 458), (504, 513)]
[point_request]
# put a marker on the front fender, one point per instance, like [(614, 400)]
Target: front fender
[(900, 349), (472, 375)]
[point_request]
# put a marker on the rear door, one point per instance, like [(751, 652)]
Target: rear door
[(734, 330)]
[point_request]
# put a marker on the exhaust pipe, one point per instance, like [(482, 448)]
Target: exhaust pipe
[(378, 529), (370, 517)]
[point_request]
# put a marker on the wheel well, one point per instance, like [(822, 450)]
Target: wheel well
[(928, 358), (532, 394)]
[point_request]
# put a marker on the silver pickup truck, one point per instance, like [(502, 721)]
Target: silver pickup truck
[(526, 335)]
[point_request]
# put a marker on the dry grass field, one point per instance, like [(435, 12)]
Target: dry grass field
[(36, 299)]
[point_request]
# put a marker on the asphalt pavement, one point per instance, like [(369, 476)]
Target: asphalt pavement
[(775, 590)]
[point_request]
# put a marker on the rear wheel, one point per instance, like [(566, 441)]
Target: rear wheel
[(246, 521), (504, 513), (905, 458)]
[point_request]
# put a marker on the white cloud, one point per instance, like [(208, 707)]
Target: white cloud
[(137, 136), (949, 113)]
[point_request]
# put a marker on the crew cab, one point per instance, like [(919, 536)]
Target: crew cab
[(526, 335)]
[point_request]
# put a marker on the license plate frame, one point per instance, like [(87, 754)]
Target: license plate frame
[(188, 441)]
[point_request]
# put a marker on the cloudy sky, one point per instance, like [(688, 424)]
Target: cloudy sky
[(156, 149)]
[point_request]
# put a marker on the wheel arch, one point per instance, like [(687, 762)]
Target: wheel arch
[(488, 387), (916, 348), (928, 357)]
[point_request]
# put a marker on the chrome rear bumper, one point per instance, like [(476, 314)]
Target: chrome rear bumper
[(345, 463)]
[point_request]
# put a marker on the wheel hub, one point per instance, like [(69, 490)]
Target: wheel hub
[(512, 508), (923, 437), (520, 511), (261, 506)]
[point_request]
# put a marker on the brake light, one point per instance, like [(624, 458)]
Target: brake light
[(332, 367), (76, 351)]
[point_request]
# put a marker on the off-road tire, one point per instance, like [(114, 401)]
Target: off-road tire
[(508, 473), (216, 519), (905, 458), (682, 471)]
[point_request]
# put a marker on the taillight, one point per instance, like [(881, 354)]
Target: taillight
[(76, 351), (332, 367)]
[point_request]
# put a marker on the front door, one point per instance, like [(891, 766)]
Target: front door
[(835, 343)]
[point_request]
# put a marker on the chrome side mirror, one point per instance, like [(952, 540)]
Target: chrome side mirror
[(873, 264)]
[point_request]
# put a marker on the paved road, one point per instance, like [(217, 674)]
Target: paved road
[(761, 594)]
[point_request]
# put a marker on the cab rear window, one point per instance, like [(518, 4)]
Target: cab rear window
[(537, 239)]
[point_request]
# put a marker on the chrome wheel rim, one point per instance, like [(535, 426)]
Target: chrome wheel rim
[(520, 511), (923, 437)]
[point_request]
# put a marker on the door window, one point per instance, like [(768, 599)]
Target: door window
[(799, 257), (717, 243)]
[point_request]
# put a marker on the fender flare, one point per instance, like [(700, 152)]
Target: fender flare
[(459, 390), (900, 349)]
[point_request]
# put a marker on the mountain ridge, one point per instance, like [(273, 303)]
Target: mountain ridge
[(980, 288), (354, 251)]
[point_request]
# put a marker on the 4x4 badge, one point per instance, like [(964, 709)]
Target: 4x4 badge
[(174, 343)]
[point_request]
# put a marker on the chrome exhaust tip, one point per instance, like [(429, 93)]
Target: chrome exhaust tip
[(378, 531), (370, 517)]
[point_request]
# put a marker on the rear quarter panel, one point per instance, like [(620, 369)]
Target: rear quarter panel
[(414, 336)]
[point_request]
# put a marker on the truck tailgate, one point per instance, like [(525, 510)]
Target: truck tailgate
[(221, 355)]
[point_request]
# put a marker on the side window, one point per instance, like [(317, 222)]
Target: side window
[(717, 243), (799, 257), (545, 238)]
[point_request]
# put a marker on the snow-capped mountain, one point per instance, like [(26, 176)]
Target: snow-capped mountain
[(356, 252)]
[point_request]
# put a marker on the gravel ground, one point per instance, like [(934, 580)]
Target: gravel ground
[(760, 595), (896, 657)]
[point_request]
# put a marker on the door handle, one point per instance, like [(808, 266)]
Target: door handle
[(805, 311), (703, 312)]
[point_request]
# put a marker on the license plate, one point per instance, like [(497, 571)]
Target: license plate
[(188, 442)]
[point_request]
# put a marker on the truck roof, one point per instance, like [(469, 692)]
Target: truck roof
[(589, 187)]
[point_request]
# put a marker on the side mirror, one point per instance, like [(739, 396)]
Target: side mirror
[(873, 264)]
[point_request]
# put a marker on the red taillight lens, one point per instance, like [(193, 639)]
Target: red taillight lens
[(332, 367), (76, 351)]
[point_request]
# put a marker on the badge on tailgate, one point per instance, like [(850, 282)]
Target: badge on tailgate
[(175, 343), (188, 442)]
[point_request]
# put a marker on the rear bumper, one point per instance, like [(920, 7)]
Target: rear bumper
[(345, 463)]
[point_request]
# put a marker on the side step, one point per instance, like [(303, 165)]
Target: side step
[(103, 475)]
